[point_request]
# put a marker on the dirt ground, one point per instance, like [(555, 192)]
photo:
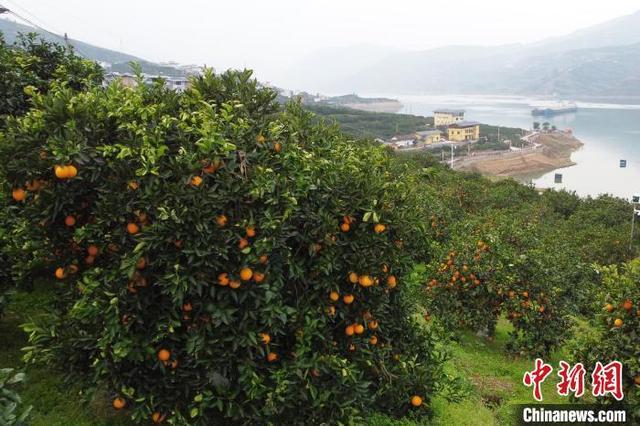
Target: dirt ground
[(554, 153)]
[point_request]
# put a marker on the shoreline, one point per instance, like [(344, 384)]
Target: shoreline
[(552, 152)]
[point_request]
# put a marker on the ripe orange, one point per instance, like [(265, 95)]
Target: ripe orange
[(157, 417), (19, 194), (265, 338), (365, 281), (277, 147), (379, 228), (246, 274), (71, 171), (187, 307), (525, 294), (344, 227), (416, 401), (264, 259), (60, 273), (70, 220), (348, 299), (119, 403), (141, 263), (541, 309), (349, 330), (391, 281), (637, 380), (373, 340), (618, 322), (251, 231), (353, 277), (132, 228), (627, 305), (258, 277), (609, 307), (92, 250), (196, 181), (334, 296), (60, 172), (223, 279), (243, 243), (373, 324), (272, 356), (234, 284), (359, 328), (164, 355)]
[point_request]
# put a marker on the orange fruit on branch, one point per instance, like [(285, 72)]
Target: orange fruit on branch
[(164, 355), (70, 220), (416, 401), (19, 194), (272, 356), (251, 231), (379, 228), (246, 274), (265, 338), (60, 273), (221, 220), (348, 299), (132, 228), (119, 403), (344, 227)]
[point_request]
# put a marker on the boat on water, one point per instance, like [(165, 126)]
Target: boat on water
[(563, 108)]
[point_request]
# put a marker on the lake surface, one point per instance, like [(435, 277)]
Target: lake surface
[(610, 133)]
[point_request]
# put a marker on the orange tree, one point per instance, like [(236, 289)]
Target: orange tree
[(616, 335), (503, 265), (215, 258), (30, 65)]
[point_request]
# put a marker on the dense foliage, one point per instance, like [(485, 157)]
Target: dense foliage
[(503, 249), (12, 411), (210, 251), (617, 330)]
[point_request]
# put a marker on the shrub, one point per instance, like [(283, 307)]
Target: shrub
[(499, 267), (10, 401), (617, 330), (217, 259)]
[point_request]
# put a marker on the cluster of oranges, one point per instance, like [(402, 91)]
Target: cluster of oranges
[(626, 307), (65, 172)]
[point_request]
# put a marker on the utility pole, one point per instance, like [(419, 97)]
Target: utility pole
[(636, 211), (452, 156)]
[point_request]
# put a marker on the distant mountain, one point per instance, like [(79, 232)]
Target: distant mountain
[(116, 61), (319, 71), (600, 60)]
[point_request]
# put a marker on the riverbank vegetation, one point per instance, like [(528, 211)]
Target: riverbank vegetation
[(210, 255)]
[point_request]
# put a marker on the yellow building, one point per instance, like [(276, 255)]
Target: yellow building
[(428, 137), (446, 117), (464, 131)]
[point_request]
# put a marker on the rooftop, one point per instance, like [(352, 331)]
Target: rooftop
[(465, 123), (428, 132), (449, 111)]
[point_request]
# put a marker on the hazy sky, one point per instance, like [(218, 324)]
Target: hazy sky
[(270, 35)]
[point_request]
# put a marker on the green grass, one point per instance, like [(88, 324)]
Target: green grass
[(493, 378), (54, 402)]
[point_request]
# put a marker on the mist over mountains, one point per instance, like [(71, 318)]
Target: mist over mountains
[(602, 60), (598, 61)]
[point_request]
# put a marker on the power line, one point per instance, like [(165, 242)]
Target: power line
[(4, 9)]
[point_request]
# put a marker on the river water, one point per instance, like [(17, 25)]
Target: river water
[(610, 133)]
